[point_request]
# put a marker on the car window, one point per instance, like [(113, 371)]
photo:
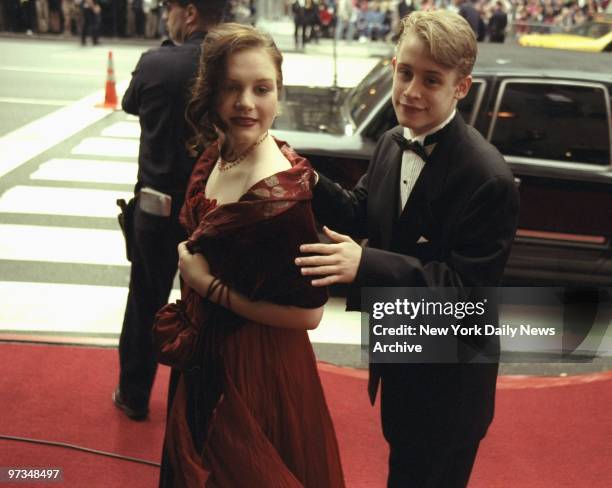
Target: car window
[(556, 121), (384, 120), (372, 90)]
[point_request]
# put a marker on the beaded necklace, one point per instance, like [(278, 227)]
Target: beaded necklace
[(225, 165)]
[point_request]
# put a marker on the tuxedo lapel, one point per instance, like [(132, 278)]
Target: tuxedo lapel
[(386, 205), (416, 217)]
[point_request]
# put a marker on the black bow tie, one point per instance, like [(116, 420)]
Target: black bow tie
[(410, 145), (417, 147)]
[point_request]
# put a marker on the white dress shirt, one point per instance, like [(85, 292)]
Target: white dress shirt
[(412, 165)]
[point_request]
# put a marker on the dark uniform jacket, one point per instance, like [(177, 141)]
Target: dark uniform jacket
[(158, 94)]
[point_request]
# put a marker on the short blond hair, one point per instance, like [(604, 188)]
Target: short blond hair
[(447, 35)]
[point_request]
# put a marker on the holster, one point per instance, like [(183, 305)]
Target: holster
[(126, 222)]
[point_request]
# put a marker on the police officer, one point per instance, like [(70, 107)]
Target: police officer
[(158, 94)]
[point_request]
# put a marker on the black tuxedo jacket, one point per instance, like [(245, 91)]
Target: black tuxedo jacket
[(455, 230)]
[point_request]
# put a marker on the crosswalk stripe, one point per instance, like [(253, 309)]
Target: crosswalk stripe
[(90, 309), (62, 245), (87, 170), (122, 129), (62, 308), (50, 71), (107, 146), (62, 201), (337, 326), (37, 101), (23, 144)]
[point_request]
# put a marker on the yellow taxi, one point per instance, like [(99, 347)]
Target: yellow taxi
[(592, 36)]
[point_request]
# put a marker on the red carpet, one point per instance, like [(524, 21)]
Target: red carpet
[(548, 432)]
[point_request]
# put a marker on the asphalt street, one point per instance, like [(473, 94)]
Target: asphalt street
[(39, 76), (64, 163)]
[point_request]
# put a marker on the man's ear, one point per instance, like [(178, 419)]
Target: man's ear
[(463, 87), (191, 14)]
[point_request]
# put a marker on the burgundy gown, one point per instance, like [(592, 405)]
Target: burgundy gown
[(248, 408)]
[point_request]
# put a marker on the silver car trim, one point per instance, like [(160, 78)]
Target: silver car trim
[(603, 171), (377, 109), (562, 243), (477, 100)]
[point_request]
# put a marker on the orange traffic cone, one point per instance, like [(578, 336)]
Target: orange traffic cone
[(110, 97)]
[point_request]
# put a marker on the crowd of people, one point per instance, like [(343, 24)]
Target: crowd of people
[(350, 20), (70, 17), (367, 20), (117, 18), (555, 14)]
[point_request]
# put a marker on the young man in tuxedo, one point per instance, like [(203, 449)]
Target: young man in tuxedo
[(439, 208)]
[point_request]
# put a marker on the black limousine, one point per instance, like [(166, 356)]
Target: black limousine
[(548, 112)]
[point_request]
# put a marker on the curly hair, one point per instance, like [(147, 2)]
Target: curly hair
[(220, 43)]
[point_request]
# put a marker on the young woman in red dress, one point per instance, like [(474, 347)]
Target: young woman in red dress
[(247, 406)]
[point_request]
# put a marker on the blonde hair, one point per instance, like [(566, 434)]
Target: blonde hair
[(449, 38), (220, 43)]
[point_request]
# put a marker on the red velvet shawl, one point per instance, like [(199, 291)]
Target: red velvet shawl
[(250, 245)]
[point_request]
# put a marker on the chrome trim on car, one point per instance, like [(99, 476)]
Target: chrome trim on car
[(478, 100), (562, 236), (566, 243), (372, 115), (570, 167)]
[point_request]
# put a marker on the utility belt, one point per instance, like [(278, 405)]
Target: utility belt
[(154, 202), (151, 201)]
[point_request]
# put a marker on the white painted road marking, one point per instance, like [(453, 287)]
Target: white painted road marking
[(36, 101), (23, 144), (122, 129), (51, 71), (87, 170), (61, 308), (62, 245), (107, 146), (62, 201), (88, 309)]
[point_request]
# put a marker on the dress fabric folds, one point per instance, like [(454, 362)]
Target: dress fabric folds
[(248, 409)]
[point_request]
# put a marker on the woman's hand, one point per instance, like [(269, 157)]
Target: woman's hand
[(195, 271), (194, 268)]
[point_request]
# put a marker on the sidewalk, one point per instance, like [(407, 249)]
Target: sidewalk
[(280, 30)]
